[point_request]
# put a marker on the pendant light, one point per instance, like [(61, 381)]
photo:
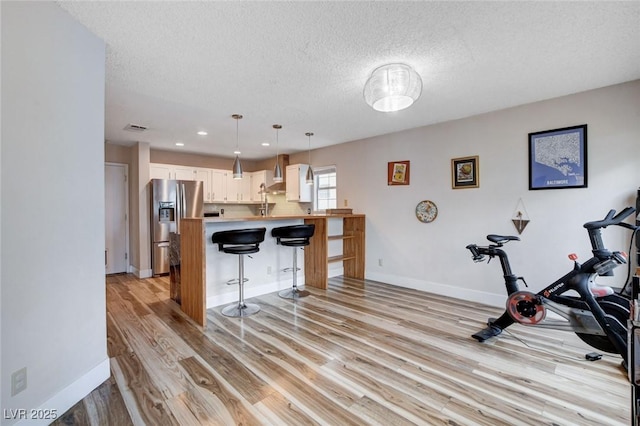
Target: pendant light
[(237, 167), (309, 179), (277, 171)]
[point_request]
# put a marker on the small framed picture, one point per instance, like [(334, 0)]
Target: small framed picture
[(465, 172), (398, 173), (558, 158)]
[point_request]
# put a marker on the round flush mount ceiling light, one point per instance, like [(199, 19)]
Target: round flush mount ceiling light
[(392, 87)]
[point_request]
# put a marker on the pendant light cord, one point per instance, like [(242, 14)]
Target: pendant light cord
[(237, 117), (277, 127)]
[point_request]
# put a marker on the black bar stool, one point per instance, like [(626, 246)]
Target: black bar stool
[(293, 236), (240, 242)]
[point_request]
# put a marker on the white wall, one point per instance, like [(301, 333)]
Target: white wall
[(140, 263), (52, 211), (432, 256)]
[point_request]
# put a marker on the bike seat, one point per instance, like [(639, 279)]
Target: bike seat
[(501, 239)]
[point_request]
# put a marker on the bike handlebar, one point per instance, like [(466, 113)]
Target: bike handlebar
[(593, 228), (477, 257), (612, 219)]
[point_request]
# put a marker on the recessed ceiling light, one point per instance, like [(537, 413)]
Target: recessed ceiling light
[(236, 152), (202, 133), (265, 143), (179, 144)]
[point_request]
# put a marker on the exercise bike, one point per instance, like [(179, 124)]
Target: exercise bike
[(597, 314)]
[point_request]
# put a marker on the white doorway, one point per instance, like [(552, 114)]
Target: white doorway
[(116, 201)]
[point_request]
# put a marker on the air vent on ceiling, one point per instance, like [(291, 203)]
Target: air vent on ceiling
[(134, 128)]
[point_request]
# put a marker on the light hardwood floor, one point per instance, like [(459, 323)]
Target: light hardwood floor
[(361, 352)]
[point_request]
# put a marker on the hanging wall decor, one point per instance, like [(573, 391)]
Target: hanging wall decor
[(520, 217), (465, 172), (426, 211), (398, 173), (558, 158)]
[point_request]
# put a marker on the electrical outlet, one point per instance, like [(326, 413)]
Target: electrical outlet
[(18, 381), (268, 270), (380, 262), (346, 202)]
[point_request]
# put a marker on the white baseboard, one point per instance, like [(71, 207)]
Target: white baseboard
[(144, 273), (258, 290), (76, 391), (335, 272), (249, 292), (491, 299)]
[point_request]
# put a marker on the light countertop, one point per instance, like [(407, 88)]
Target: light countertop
[(221, 219)]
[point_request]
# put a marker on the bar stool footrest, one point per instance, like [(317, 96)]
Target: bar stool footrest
[(235, 281)]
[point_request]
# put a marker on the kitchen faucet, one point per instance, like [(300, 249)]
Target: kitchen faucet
[(264, 209)]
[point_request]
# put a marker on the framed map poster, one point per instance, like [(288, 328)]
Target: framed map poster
[(558, 158)]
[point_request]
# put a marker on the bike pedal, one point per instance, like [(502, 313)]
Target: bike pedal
[(487, 333)]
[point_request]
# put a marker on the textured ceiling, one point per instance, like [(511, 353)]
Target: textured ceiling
[(180, 67)]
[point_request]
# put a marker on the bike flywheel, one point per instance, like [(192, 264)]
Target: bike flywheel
[(525, 308)]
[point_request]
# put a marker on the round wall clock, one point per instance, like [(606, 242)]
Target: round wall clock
[(426, 211)]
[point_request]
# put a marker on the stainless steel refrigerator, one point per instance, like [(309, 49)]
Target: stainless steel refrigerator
[(171, 200)]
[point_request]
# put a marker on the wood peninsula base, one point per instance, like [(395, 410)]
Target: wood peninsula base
[(317, 259), (195, 240)]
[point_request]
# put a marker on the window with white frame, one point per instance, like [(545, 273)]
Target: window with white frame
[(325, 191)]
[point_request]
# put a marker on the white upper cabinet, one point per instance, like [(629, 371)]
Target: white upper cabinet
[(218, 185), (170, 171), (245, 187), (258, 178), (204, 175), (185, 173), (238, 190), (160, 171), (297, 188)]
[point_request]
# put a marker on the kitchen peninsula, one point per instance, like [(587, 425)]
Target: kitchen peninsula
[(338, 240)]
